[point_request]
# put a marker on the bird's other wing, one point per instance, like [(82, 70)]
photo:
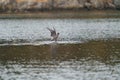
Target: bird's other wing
[(54, 29), (50, 29), (53, 32)]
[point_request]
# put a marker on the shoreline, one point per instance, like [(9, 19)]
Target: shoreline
[(62, 14)]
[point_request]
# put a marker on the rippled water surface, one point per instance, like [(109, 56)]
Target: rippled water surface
[(69, 29), (87, 49)]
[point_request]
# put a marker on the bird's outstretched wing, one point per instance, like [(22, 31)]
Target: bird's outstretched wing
[(53, 31)]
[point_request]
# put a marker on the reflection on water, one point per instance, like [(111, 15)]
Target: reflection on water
[(88, 49), (53, 49), (92, 60), (103, 50)]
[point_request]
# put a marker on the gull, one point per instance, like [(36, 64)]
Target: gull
[(54, 35)]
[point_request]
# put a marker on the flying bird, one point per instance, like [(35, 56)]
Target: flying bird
[(54, 35)]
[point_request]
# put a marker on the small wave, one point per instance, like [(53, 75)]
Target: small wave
[(41, 43)]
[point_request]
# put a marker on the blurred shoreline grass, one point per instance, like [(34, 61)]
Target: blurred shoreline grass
[(62, 14)]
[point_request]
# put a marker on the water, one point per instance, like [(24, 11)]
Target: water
[(69, 29), (87, 49)]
